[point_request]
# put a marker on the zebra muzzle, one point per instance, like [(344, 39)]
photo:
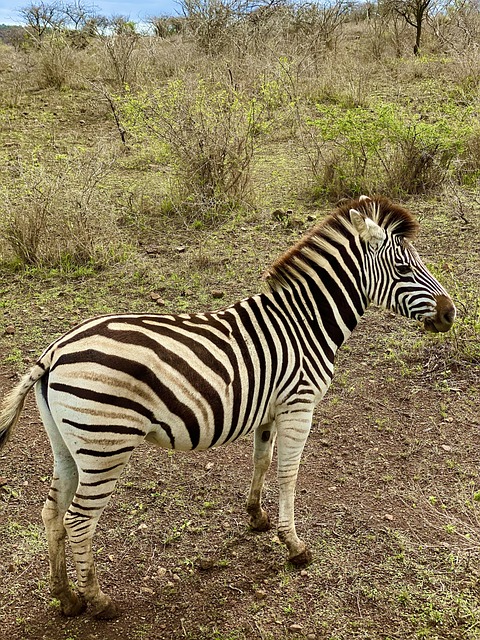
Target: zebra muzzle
[(444, 318)]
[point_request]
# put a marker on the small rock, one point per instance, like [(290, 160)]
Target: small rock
[(180, 249), (278, 214), (304, 573), (176, 577), (388, 516), (311, 217), (260, 594), (446, 447), (3, 481), (148, 590), (295, 627), (216, 293), (205, 564), (160, 302), (9, 330), (82, 122), (311, 636), (154, 296), (142, 526), (209, 466), (161, 572)]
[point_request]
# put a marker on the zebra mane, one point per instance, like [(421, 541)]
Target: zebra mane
[(337, 227)]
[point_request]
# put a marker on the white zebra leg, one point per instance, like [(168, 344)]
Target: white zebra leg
[(80, 522), (59, 497), (264, 441), (62, 489), (293, 425)]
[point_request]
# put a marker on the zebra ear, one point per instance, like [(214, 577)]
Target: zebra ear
[(364, 199), (368, 230)]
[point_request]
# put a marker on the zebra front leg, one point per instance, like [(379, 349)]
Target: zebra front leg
[(264, 440), (293, 426)]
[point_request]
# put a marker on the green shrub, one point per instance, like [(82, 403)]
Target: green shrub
[(385, 148), (210, 133)]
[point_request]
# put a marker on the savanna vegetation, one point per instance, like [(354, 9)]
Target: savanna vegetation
[(162, 167)]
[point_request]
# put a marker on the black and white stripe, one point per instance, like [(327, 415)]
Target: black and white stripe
[(202, 380)]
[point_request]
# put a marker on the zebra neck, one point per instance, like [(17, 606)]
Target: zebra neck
[(330, 307)]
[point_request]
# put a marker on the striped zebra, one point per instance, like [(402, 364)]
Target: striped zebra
[(195, 381)]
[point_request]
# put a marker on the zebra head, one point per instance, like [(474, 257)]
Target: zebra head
[(396, 277)]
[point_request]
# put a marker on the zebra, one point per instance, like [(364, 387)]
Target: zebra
[(196, 381)]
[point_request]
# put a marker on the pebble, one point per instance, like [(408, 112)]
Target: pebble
[(216, 293), (295, 627), (9, 330)]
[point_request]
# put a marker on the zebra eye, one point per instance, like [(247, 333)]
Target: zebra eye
[(404, 269)]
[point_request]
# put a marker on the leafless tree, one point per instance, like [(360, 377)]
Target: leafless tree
[(414, 12), (41, 17), (78, 14)]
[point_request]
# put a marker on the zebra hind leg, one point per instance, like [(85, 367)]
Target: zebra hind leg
[(264, 441), (93, 494), (62, 489)]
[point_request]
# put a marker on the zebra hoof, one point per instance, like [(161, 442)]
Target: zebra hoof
[(108, 612), (302, 559), (260, 523), (74, 607)]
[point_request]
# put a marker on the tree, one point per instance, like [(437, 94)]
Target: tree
[(414, 12), (42, 17)]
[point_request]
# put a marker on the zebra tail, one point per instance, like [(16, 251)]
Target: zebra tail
[(12, 404)]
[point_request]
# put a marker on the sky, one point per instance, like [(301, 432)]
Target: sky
[(137, 11)]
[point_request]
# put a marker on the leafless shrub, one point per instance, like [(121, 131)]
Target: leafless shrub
[(457, 28), (210, 131), (120, 48), (56, 61), (58, 215), (317, 26)]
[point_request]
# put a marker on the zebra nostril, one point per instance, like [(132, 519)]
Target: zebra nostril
[(446, 313), (449, 316)]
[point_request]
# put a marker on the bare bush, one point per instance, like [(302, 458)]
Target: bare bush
[(458, 28), (56, 61), (317, 26), (58, 216)]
